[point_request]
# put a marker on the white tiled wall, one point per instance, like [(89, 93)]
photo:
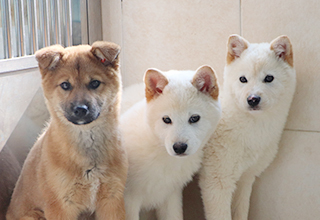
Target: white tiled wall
[(184, 34), (290, 187)]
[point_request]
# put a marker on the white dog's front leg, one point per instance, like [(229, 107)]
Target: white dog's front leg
[(241, 197), (216, 195), (132, 207), (171, 209)]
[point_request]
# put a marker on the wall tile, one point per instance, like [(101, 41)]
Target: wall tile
[(290, 187), (111, 21), (176, 35), (262, 21)]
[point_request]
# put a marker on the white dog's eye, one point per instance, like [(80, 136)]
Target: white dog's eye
[(243, 79), (167, 120), (268, 79), (194, 119)]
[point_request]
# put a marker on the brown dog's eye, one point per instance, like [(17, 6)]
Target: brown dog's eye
[(94, 84), (66, 86)]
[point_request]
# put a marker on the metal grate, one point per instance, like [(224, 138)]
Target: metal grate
[(28, 25)]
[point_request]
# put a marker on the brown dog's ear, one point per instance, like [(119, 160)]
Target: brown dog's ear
[(155, 82), (282, 47), (106, 52), (49, 57), (236, 45), (205, 80)]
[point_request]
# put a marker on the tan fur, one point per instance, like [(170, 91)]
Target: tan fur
[(284, 40), (213, 90), (151, 91), (72, 168), (233, 42)]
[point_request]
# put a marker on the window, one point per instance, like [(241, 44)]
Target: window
[(28, 25)]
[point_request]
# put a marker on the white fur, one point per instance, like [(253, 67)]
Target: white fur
[(156, 177), (245, 141), (131, 95)]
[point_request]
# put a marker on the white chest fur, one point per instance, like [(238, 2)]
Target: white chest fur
[(156, 177)]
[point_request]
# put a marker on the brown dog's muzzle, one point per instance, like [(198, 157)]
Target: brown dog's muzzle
[(81, 113)]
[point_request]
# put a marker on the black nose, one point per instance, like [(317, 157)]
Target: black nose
[(180, 147), (253, 100), (80, 111)]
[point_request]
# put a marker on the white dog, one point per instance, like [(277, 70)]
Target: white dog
[(259, 84), (164, 135)]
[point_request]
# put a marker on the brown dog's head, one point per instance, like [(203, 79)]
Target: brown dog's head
[(81, 82)]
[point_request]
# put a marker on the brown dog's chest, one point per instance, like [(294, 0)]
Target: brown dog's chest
[(92, 163), (84, 189)]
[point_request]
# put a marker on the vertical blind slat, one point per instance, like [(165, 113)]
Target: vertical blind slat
[(34, 26), (47, 23), (17, 27), (69, 23), (22, 28), (29, 29), (9, 30), (61, 22), (40, 12), (6, 28)]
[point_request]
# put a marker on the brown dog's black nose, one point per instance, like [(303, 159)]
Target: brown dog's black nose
[(253, 100), (80, 111), (180, 147)]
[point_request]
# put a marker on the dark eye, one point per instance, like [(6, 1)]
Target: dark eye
[(243, 79), (66, 86), (194, 119), (167, 120), (268, 79), (94, 84)]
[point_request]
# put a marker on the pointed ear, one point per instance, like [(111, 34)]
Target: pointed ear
[(236, 45), (106, 52), (205, 80), (49, 57), (155, 82), (282, 47)]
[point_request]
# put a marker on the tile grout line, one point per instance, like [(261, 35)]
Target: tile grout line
[(240, 17), (123, 48), (299, 130)]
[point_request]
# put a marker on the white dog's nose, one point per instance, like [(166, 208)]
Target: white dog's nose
[(180, 147), (253, 100)]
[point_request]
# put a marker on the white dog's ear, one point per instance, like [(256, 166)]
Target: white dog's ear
[(282, 47), (236, 45), (205, 80), (155, 82), (106, 52), (49, 57)]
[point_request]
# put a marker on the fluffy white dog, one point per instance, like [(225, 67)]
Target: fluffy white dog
[(164, 135), (259, 84)]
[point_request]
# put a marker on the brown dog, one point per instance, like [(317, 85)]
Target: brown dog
[(78, 164)]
